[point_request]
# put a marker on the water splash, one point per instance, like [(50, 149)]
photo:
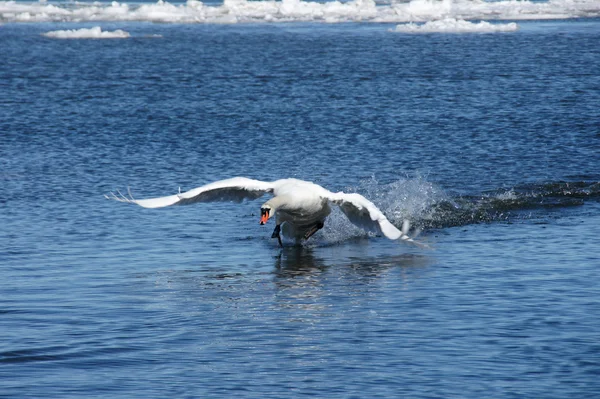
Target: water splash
[(400, 200)]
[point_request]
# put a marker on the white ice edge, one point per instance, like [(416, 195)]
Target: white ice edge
[(452, 25), (233, 11), (92, 33)]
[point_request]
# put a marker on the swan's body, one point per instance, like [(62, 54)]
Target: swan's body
[(300, 207)]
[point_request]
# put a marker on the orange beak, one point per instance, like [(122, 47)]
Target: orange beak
[(264, 217)]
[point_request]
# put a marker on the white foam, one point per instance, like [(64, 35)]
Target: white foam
[(451, 25), (249, 11), (92, 33), (507, 196)]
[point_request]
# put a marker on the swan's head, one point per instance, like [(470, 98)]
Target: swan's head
[(265, 213)]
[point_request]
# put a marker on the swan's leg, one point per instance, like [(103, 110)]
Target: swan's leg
[(276, 231), (277, 235), (316, 227)]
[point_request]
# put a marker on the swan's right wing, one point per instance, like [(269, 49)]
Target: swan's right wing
[(236, 189), (364, 214)]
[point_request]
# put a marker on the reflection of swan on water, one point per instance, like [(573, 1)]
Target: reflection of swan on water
[(300, 207), (303, 261), (297, 260)]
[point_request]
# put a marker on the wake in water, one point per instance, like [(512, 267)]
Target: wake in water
[(521, 202), (234, 11), (428, 206)]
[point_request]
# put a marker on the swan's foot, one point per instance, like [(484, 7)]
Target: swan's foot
[(277, 235), (317, 226)]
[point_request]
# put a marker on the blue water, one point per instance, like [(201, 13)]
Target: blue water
[(488, 142)]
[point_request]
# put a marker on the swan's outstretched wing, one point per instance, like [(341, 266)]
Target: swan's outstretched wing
[(364, 214), (235, 189)]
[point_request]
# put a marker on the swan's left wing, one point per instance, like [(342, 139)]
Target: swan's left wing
[(364, 214), (235, 189)]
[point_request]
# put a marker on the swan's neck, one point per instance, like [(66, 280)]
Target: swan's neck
[(276, 202)]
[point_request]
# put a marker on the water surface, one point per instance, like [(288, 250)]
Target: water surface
[(489, 142)]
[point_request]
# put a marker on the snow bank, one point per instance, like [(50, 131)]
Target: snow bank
[(249, 11)]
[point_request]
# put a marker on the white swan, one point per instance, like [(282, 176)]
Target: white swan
[(300, 207)]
